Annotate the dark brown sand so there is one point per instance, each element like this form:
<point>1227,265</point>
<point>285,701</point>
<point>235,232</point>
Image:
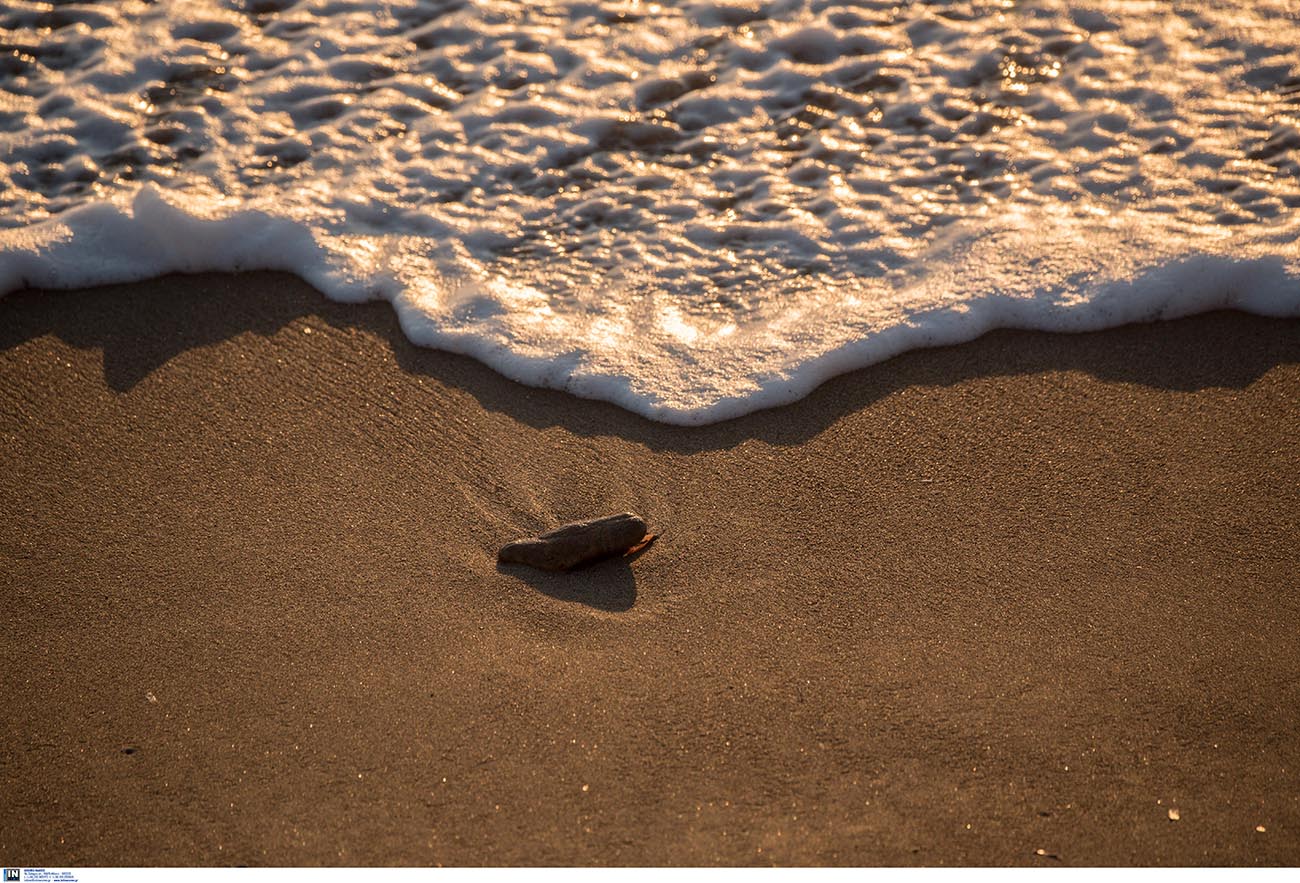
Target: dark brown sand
<point>1004,603</point>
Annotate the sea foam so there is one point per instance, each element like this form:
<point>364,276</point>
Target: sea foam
<point>693,211</point>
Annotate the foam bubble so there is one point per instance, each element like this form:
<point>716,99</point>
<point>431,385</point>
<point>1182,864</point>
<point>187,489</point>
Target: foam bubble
<point>691,212</point>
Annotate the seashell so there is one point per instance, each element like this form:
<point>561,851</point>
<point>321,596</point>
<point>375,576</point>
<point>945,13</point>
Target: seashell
<point>577,543</point>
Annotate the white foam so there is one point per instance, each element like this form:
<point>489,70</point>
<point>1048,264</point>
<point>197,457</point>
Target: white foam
<point>693,213</point>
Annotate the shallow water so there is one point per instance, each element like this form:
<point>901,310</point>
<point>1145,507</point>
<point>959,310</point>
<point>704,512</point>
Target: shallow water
<point>693,210</point>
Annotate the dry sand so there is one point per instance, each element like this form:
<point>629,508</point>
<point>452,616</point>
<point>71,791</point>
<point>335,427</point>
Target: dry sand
<point>1004,603</point>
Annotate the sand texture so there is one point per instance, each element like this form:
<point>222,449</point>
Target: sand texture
<point>1004,603</point>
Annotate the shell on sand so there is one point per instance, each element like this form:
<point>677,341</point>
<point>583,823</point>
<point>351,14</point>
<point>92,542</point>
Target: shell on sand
<point>573,544</point>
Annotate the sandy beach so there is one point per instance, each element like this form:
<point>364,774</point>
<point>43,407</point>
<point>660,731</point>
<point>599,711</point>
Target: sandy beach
<point>1018,602</point>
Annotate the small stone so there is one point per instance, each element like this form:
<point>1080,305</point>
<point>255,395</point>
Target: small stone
<point>1174,815</point>
<point>570,545</point>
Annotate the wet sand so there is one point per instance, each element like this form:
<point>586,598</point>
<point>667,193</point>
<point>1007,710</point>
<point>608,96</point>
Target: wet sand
<point>1003,603</point>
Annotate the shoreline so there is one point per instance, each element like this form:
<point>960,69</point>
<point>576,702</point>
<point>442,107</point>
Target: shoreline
<point>1026,593</point>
